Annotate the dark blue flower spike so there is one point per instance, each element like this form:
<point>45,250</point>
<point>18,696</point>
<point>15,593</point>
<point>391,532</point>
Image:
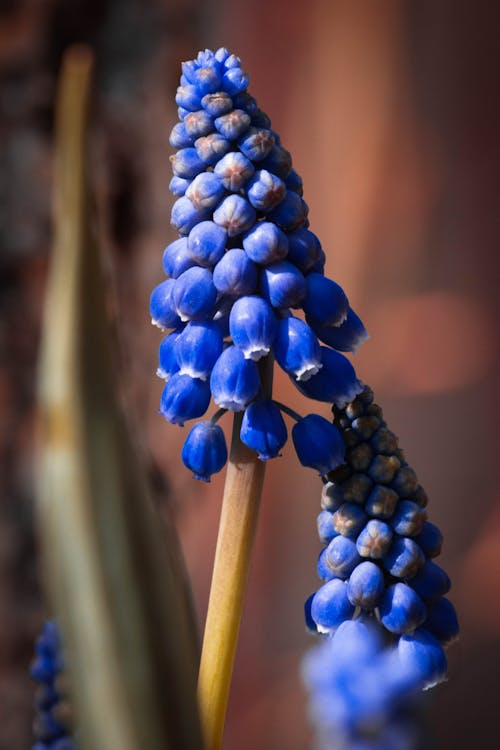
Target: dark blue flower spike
<point>379,573</point>
<point>245,258</point>
<point>52,725</point>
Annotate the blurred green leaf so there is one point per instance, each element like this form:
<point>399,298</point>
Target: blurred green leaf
<point>113,568</point>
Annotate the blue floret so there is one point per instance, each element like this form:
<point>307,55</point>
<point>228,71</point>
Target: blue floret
<point>184,398</point>
<point>176,258</point>
<point>206,243</point>
<point>234,381</point>
<point>263,429</point>
<point>296,349</point>
<point>283,285</point>
<point>318,443</point>
<point>204,450</point>
<point>330,606</point>
<point>253,326</point>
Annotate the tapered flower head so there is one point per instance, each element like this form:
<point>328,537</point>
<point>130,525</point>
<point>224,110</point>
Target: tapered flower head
<point>51,726</point>
<point>245,258</point>
<point>377,554</point>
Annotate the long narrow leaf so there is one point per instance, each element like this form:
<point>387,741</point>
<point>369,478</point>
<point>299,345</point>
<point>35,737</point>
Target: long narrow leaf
<point>112,567</point>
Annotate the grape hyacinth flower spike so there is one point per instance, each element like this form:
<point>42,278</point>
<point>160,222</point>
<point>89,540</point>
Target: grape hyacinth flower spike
<point>379,573</point>
<point>244,247</point>
<point>52,721</point>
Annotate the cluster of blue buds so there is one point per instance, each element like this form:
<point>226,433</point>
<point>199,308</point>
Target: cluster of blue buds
<point>362,696</point>
<point>245,281</point>
<point>51,725</point>
<point>378,560</point>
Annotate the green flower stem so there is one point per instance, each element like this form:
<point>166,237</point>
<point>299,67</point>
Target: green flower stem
<point>238,522</point>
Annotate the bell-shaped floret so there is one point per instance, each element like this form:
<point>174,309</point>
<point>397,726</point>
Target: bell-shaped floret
<point>210,148</point>
<point>304,249</point>
<point>217,104</point>
<point>296,349</point>
<point>263,429</point>
<point>184,215</point>
<point>188,97</point>
<point>347,337</point>
<point>404,558</point>
<point>194,294</point>
<point>235,81</point>
<point>235,274</point>
<point>235,214</point>
<point>198,124</point>
<point>184,398</point>
<point>178,186</point>
<point>408,518</point>
<point>245,101</point>
<point>330,606</point>
<point>233,170</point>
<point>176,258</point>
<point>233,124</point>
<point>349,519</point>
<point>256,143</point>
<point>162,307</point>
<point>206,243</point>
<point>205,451</point>
<point>401,609</point>
<point>374,540</point>
<point>265,191</point>
<point>357,642</point>
<point>366,585</point>
<point>208,79</point>
<point>179,137</point>
<point>336,382</point>
<point>442,621</point>
<point>291,213</point>
<point>205,191</point>
<point>198,348</point>
<point>381,502</point>
<point>253,326</point>
<point>234,381</point>
<point>342,556</point>
<point>294,182</point>
<point>278,161</point>
<point>318,443</point>
<point>421,654</point>
<point>431,582</point>
<point>265,243</point>
<point>430,540</point>
<point>283,285</point>
<point>326,301</point>
<point>168,364</point>
<point>187,163</point>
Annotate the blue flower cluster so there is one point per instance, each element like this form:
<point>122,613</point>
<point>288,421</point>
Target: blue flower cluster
<point>362,696</point>
<point>51,722</point>
<point>245,280</point>
<point>378,560</point>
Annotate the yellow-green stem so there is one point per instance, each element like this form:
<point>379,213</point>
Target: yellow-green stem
<point>238,522</point>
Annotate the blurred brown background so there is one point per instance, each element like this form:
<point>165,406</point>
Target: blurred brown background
<point>390,110</point>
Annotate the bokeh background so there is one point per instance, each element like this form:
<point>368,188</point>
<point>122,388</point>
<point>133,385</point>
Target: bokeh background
<point>391,112</point>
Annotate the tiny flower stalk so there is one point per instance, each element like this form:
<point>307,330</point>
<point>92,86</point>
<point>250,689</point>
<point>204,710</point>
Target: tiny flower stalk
<point>245,288</point>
